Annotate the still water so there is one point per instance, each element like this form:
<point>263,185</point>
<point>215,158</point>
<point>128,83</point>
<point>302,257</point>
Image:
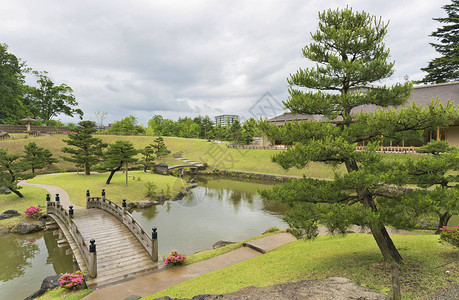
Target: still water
<point>26,260</point>
<point>219,209</point>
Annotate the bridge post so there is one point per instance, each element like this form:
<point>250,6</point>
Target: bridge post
<point>154,248</point>
<point>88,195</point>
<point>70,214</point>
<point>103,194</point>
<point>48,201</point>
<point>92,268</point>
<point>124,205</point>
<point>57,200</point>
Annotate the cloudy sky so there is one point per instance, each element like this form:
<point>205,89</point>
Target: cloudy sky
<point>188,58</point>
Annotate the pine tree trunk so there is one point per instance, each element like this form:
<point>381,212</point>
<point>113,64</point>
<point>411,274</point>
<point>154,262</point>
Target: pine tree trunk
<point>111,174</point>
<point>18,193</point>
<point>385,244</point>
<point>87,169</point>
<point>444,218</point>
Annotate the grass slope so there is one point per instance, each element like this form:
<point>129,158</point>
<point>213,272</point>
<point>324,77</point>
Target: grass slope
<point>77,184</point>
<point>354,256</point>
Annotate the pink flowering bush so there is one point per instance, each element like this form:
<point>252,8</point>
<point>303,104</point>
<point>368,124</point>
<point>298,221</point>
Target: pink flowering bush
<point>71,281</point>
<point>174,259</point>
<point>33,212</point>
<point>450,235</point>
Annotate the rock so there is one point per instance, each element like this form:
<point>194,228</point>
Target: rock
<point>130,205</point>
<point>5,190</point>
<point>24,228</point>
<point>179,196</point>
<point>330,288</point>
<point>192,180</point>
<point>143,204</point>
<point>3,231</point>
<point>221,244</point>
<point>193,185</point>
<point>160,168</point>
<point>9,214</point>
<point>49,283</point>
<point>161,198</point>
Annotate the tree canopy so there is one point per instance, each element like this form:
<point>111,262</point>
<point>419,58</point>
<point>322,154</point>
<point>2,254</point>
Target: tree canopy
<point>349,51</point>
<point>86,150</point>
<point>446,67</point>
<point>117,154</point>
<point>37,157</point>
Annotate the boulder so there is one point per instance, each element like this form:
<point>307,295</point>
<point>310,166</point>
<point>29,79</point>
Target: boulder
<point>221,244</point>
<point>179,196</point>
<point>3,231</point>
<point>160,168</point>
<point>193,185</point>
<point>9,214</point>
<point>130,205</point>
<point>143,204</point>
<point>5,190</point>
<point>330,288</point>
<point>49,283</point>
<point>24,228</point>
<point>161,198</point>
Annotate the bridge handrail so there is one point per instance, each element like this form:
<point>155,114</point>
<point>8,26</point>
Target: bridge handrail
<point>63,215</point>
<point>126,218</point>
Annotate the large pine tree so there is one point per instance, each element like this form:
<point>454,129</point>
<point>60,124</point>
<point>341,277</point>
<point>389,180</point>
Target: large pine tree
<point>87,150</point>
<point>446,67</point>
<point>349,52</point>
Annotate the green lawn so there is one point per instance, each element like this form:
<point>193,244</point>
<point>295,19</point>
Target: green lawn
<point>77,184</point>
<point>32,196</point>
<point>354,256</point>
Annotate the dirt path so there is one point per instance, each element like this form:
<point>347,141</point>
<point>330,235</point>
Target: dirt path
<point>53,190</point>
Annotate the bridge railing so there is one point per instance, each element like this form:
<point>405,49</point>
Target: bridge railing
<point>88,252</point>
<point>150,243</point>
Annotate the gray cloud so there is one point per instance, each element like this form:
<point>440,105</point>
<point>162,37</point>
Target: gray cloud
<point>185,58</point>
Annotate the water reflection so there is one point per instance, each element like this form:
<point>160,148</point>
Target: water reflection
<point>27,260</point>
<point>216,210</point>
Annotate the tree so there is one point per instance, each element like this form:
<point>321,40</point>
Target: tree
<point>117,154</point>
<point>87,151</point>
<point>37,157</point>
<point>11,87</point>
<point>250,130</point>
<point>160,147</point>
<point>12,170</point>
<point>148,157</point>
<point>126,126</point>
<point>235,131</point>
<point>446,67</point>
<point>349,52</point>
<point>49,100</point>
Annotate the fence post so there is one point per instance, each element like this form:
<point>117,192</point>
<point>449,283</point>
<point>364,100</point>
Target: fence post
<point>92,259</point>
<point>154,248</point>
<point>88,195</point>
<point>395,283</point>
<point>124,205</point>
<point>57,200</point>
<point>103,194</point>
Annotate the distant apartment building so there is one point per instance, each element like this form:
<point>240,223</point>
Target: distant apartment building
<point>226,120</point>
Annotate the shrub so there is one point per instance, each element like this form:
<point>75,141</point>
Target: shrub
<point>71,281</point>
<point>450,235</point>
<point>271,229</point>
<point>33,212</point>
<point>150,192</point>
<point>174,259</point>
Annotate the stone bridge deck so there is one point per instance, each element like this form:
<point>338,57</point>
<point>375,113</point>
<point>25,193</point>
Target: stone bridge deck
<point>119,253</point>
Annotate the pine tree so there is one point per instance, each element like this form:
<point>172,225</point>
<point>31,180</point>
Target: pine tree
<point>117,154</point>
<point>12,170</point>
<point>349,52</point>
<point>446,67</point>
<point>87,150</point>
<point>37,157</point>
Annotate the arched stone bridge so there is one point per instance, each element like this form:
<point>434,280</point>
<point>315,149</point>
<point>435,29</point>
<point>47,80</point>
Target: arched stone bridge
<point>108,244</point>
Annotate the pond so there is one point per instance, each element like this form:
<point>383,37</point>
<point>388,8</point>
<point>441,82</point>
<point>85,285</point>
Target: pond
<point>26,260</point>
<point>219,209</point>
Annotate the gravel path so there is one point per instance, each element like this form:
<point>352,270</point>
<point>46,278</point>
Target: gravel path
<point>53,190</point>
